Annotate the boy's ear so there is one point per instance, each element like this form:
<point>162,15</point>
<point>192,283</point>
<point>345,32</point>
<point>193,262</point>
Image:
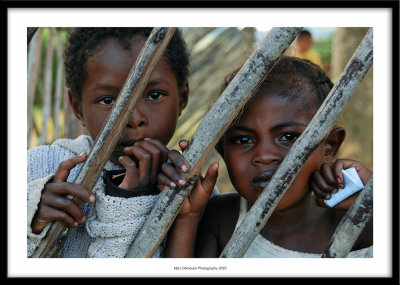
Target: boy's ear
<point>333,142</point>
<point>184,97</point>
<point>76,106</point>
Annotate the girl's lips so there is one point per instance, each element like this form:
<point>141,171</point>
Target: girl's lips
<point>262,180</point>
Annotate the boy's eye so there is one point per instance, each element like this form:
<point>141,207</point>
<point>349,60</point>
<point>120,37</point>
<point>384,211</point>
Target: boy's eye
<point>107,100</point>
<point>154,96</point>
<point>289,137</point>
<point>243,140</point>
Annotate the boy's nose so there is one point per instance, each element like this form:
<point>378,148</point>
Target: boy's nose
<point>137,118</point>
<point>266,153</point>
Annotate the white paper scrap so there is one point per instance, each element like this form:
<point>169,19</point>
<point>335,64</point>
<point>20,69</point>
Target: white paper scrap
<point>352,184</point>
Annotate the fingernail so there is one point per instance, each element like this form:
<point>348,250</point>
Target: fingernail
<point>340,186</point>
<point>172,185</point>
<point>184,168</point>
<point>83,219</point>
<point>81,153</point>
<point>327,197</point>
<point>147,139</point>
<point>334,190</point>
<point>92,198</point>
<point>181,182</point>
<point>338,180</point>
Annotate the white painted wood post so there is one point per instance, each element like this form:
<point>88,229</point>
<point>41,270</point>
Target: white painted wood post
<point>352,224</point>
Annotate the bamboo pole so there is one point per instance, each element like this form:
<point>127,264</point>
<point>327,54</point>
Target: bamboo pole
<point>30,33</point>
<point>352,224</point>
<point>33,76</point>
<point>310,139</point>
<point>59,85</point>
<point>111,131</point>
<point>47,87</point>
<point>208,133</point>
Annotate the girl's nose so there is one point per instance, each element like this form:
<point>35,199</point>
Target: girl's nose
<point>266,153</point>
<point>137,118</point>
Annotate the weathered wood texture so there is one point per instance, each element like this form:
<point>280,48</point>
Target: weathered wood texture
<point>352,224</point>
<point>311,138</point>
<point>209,132</point>
<point>111,131</point>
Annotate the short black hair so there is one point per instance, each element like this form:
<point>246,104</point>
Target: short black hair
<point>315,75</point>
<point>82,43</point>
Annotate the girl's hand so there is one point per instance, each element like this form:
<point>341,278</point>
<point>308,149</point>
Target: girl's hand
<point>54,205</point>
<point>143,163</point>
<point>172,177</point>
<point>329,179</point>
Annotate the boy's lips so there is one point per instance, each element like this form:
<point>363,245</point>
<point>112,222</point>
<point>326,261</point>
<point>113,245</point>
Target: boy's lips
<point>262,179</point>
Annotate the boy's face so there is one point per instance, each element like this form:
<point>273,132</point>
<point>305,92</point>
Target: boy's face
<point>156,113</point>
<point>257,143</point>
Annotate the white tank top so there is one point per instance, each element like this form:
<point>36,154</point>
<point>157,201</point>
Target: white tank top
<point>263,248</point>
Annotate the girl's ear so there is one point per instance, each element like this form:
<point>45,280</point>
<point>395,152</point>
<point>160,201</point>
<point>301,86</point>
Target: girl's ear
<point>333,142</point>
<point>76,106</point>
<point>183,97</point>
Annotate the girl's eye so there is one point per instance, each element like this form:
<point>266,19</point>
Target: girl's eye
<point>107,100</point>
<point>289,137</point>
<point>243,140</point>
<point>154,96</point>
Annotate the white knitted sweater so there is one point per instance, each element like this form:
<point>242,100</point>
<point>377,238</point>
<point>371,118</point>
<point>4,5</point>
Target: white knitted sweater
<point>112,222</point>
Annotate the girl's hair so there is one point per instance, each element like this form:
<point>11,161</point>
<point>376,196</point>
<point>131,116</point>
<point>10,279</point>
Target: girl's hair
<point>291,65</point>
<point>82,43</point>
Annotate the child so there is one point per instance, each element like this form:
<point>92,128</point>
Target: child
<point>253,148</point>
<point>97,63</point>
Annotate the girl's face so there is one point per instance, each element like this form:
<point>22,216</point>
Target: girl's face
<point>156,113</point>
<point>256,144</point>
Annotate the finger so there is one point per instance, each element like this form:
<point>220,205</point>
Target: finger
<point>329,176</point>
<point>173,174</point>
<point>72,189</point>
<point>159,155</point>
<point>177,159</point>
<point>161,146</point>
<point>210,178</point>
<point>50,214</point>
<point>163,181</point>
<point>319,190</point>
<point>183,144</point>
<point>65,167</point>
<point>67,206</point>
<point>130,180</point>
<point>145,163</point>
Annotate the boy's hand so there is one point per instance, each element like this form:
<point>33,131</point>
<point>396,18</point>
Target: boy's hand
<point>143,163</point>
<point>54,205</point>
<point>329,179</point>
<point>172,176</point>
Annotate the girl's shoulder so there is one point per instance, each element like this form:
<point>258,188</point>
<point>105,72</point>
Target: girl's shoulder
<point>221,215</point>
<point>224,204</point>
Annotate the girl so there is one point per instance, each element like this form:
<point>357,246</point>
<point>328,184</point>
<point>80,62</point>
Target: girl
<point>253,148</point>
<point>97,63</point>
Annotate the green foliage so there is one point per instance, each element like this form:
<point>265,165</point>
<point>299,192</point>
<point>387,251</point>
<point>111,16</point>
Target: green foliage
<point>324,48</point>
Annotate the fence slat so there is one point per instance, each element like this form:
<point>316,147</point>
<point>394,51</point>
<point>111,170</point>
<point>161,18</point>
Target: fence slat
<point>208,133</point>
<point>47,87</point>
<point>111,131</point>
<point>311,138</point>
<point>352,224</point>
